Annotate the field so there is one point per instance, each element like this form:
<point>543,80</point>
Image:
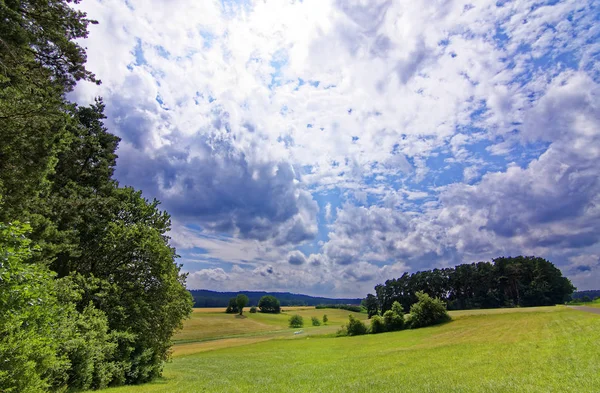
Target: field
<point>546,349</point>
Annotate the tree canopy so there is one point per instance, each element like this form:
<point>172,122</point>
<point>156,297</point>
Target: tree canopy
<point>269,304</point>
<point>94,256</point>
<point>505,282</point>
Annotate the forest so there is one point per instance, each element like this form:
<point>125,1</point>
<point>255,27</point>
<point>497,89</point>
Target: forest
<point>90,291</point>
<point>206,298</point>
<point>522,281</point>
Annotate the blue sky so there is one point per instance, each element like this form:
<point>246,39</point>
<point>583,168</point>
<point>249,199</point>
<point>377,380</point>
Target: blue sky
<point>323,147</point>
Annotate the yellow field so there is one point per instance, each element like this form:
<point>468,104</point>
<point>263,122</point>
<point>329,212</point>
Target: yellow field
<point>212,328</point>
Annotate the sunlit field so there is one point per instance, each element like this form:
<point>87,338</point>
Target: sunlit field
<point>544,349</point>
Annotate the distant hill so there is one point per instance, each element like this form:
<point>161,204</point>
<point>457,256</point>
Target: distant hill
<point>206,298</point>
<point>591,294</point>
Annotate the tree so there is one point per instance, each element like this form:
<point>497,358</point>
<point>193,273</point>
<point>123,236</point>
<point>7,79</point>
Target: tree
<point>116,276</point>
<point>269,304</point>
<point>315,321</point>
<point>355,326</point>
<point>378,324</point>
<point>241,301</point>
<point>427,311</point>
<point>325,319</point>
<point>296,321</point>
<point>41,61</point>
<point>232,308</point>
<point>371,304</point>
<point>253,310</point>
<point>394,318</point>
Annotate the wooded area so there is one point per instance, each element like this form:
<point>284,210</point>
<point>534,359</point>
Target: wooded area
<point>504,282</point>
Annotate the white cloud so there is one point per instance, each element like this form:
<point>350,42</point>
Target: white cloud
<point>235,116</point>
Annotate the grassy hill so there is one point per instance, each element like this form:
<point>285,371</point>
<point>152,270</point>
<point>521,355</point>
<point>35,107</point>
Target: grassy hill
<point>545,349</point>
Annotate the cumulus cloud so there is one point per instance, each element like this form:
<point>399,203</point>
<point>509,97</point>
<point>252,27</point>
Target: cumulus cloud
<point>441,133</point>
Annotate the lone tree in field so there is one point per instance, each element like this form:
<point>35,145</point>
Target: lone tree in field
<point>269,304</point>
<point>242,301</point>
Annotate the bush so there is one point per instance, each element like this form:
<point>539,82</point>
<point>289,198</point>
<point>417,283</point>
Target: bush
<point>427,311</point>
<point>325,319</point>
<point>355,327</point>
<point>296,321</point>
<point>394,318</point>
<point>377,325</point>
<point>316,321</point>
<point>269,304</point>
<point>253,310</point>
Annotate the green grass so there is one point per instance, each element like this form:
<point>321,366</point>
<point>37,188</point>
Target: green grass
<point>552,349</point>
<point>594,303</point>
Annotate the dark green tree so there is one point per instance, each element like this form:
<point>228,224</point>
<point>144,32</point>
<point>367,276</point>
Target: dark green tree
<point>371,304</point>
<point>232,308</point>
<point>269,304</point>
<point>241,301</point>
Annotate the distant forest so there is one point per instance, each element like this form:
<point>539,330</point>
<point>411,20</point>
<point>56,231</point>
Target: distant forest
<point>206,298</point>
<point>591,294</point>
<point>504,282</point>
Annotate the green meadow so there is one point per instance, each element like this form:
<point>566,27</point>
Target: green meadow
<point>544,349</point>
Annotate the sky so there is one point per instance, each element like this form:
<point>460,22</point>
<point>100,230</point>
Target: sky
<point>323,147</point>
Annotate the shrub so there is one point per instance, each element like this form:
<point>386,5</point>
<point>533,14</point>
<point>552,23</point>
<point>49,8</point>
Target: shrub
<point>394,318</point>
<point>316,321</point>
<point>269,304</point>
<point>342,331</point>
<point>296,321</point>
<point>355,327</point>
<point>325,319</point>
<point>377,325</point>
<point>253,309</point>
<point>427,311</point>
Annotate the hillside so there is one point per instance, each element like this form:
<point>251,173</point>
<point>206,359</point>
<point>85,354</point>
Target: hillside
<point>206,298</point>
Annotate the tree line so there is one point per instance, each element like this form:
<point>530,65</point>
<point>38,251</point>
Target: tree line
<point>206,298</point>
<point>90,293</point>
<point>522,281</point>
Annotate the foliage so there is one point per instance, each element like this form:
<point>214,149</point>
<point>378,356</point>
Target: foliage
<point>427,311</point>
<point>325,319</point>
<point>232,308</point>
<point>241,301</point>
<point>346,307</point>
<point>119,292</point>
<point>371,304</point>
<point>378,325</point>
<point>355,327</point>
<point>296,321</point>
<point>316,321</point>
<point>506,282</point>
<point>30,312</point>
<point>45,341</point>
<point>253,310</point>
<point>394,318</point>
<point>269,304</point>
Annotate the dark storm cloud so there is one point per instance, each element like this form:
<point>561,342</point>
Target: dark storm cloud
<point>207,180</point>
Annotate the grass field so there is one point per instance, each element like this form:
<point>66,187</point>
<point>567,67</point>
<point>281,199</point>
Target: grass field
<point>547,349</point>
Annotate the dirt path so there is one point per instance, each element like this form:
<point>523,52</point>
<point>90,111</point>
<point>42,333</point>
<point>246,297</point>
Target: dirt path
<point>585,308</point>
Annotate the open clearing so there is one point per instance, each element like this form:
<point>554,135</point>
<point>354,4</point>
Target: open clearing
<point>545,349</point>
